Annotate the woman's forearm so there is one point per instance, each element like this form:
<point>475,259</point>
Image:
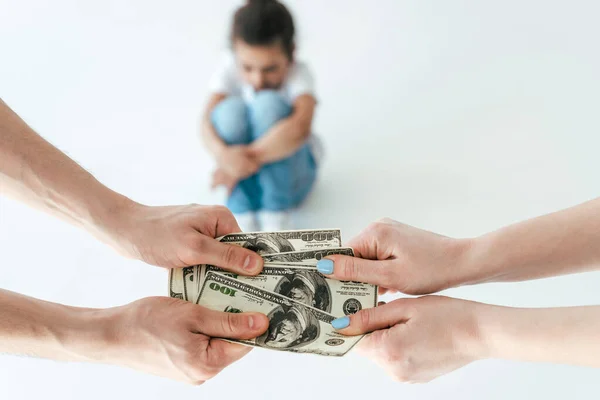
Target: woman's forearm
<point>560,243</point>
<point>567,335</point>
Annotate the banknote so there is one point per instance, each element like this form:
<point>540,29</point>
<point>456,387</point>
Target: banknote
<point>190,276</point>
<point>285,241</point>
<point>307,286</point>
<point>176,283</point>
<point>293,326</point>
<point>268,243</point>
<point>305,257</point>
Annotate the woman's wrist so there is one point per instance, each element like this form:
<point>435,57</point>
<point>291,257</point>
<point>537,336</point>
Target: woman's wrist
<point>478,262</point>
<point>471,338</point>
<point>458,265</point>
<point>499,332</point>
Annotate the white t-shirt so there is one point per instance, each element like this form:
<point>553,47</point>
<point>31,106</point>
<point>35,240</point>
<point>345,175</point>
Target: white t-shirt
<point>227,80</point>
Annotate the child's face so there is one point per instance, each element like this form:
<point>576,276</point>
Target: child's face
<point>263,67</point>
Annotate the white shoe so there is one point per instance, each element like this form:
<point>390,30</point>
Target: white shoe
<point>271,221</point>
<point>247,221</point>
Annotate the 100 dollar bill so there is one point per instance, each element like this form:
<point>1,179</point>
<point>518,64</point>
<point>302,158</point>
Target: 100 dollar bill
<point>305,257</point>
<point>285,241</point>
<point>190,277</point>
<point>293,326</point>
<point>307,286</point>
<point>265,243</point>
<point>176,288</point>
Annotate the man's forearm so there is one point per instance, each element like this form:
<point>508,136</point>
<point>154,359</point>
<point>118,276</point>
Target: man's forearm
<point>564,242</point>
<point>38,328</point>
<point>36,172</point>
<point>559,335</point>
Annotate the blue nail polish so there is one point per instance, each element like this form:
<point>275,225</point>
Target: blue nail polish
<point>340,323</point>
<point>325,266</point>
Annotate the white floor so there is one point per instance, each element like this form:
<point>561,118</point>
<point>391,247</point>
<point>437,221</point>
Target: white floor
<point>458,117</point>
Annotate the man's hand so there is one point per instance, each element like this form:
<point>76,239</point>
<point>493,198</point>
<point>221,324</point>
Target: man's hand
<point>179,236</point>
<point>176,339</point>
<point>159,335</point>
<point>33,170</point>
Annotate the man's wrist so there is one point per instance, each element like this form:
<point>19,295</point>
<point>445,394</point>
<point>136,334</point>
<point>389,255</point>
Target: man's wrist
<point>88,335</point>
<point>111,220</point>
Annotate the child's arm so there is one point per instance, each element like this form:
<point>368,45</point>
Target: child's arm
<point>288,135</point>
<point>213,142</point>
<point>236,160</point>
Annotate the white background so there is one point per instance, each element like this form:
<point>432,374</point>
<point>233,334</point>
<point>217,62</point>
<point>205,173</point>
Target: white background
<point>458,117</point>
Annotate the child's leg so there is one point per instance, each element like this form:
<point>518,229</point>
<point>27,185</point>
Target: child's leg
<point>230,120</point>
<point>285,183</point>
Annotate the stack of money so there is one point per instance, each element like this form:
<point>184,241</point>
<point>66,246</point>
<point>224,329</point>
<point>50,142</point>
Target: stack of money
<point>299,301</point>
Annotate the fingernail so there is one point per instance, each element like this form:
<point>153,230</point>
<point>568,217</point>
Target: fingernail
<point>257,322</point>
<point>325,266</point>
<point>250,265</point>
<point>340,323</point>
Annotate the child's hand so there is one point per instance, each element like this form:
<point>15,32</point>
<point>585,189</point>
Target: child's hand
<point>237,162</point>
<point>221,178</point>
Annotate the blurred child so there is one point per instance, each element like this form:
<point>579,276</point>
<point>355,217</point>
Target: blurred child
<point>257,123</point>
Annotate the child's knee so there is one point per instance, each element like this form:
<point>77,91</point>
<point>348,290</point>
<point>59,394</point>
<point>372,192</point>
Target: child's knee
<point>268,107</point>
<point>230,120</point>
